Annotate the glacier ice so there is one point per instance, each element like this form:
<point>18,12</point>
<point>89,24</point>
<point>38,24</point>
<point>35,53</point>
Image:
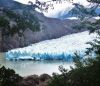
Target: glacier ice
<point>61,48</point>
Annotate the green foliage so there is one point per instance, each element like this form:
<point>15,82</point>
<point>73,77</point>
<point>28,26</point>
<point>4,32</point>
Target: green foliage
<point>59,80</point>
<point>8,77</point>
<point>10,13</point>
<point>23,21</point>
<point>29,20</point>
<point>78,60</point>
<point>85,73</point>
<point>3,22</point>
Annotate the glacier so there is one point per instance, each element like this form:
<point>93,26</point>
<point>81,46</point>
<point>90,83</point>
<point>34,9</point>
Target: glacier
<point>62,48</point>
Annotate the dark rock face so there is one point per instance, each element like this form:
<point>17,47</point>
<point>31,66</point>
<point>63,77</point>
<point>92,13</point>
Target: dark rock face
<point>35,80</point>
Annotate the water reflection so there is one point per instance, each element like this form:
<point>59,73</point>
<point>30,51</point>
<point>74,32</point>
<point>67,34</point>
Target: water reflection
<point>25,68</point>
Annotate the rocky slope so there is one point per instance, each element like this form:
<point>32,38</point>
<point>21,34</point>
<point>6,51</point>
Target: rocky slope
<point>49,28</point>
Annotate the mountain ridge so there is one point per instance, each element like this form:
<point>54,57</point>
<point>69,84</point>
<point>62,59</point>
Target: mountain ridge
<point>50,28</point>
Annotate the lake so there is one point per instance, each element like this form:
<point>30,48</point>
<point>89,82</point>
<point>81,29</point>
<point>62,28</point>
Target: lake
<point>25,68</point>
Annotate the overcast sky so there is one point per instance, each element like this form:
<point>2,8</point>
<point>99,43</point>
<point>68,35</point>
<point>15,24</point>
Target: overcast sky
<point>59,9</point>
<point>26,1</point>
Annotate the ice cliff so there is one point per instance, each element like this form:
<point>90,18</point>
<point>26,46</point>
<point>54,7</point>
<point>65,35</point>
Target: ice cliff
<point>61,48</point>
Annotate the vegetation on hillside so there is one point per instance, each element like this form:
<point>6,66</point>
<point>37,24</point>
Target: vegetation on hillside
<point>22,21</point>
<point>13,22</point>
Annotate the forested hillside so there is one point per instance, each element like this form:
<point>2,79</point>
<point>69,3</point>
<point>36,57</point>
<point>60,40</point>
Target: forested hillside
<point>15,23</point>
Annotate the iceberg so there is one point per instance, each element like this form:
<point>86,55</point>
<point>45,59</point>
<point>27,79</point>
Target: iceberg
<point>62,48</point>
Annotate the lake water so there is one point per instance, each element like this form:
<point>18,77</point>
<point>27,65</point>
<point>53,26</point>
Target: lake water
<point>25,68</point>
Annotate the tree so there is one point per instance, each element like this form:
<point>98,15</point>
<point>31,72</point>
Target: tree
<point>4,27</point>
<point>8,77</point>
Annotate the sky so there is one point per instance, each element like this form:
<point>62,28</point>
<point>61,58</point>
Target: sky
<point>26,1</point>
<point>59,9</point>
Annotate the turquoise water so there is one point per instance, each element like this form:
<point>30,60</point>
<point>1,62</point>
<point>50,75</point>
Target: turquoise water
<point>25,68</point>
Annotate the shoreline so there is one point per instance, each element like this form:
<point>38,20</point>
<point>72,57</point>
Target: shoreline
<point>29,67</point>
<point>35,80</point>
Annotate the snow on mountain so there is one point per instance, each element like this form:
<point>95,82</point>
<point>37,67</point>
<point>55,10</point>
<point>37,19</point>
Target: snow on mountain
<point>60,9</point>
<point>61,48</point>
<point>65,8</point>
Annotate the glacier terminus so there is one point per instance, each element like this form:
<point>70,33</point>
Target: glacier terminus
<point>62,48</point>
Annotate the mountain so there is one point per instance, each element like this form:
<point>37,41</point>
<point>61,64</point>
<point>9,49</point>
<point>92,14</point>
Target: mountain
<point>11,4</point>
<point>72,9</point>
<point>23,25</point>
<point>81,11</point>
